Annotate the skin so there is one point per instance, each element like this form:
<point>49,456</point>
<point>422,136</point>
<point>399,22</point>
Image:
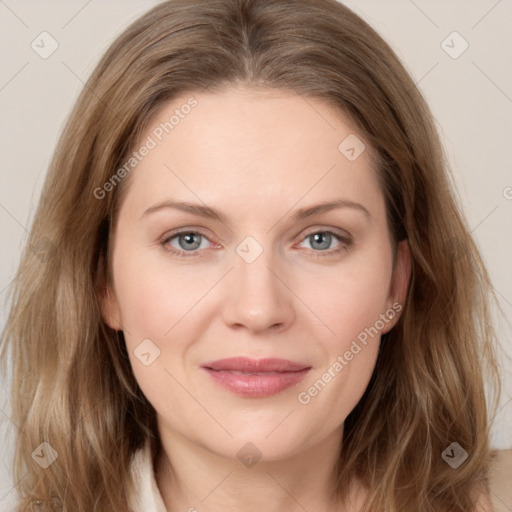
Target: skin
<point>257,156</point>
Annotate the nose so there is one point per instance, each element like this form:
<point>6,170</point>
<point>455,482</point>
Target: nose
<point>258,297</point>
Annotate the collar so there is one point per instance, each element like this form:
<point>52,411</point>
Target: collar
<point>145,496</point>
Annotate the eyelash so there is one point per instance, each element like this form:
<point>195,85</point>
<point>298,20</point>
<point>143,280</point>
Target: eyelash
<point>345,242</point>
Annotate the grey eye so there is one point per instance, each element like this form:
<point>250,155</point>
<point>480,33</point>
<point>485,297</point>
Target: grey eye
<point>188,241</point>
<point>321,240</point>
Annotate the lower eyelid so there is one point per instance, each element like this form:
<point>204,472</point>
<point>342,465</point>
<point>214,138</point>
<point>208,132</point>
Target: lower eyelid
<point>342,246</point>
<point>344,242</point>
<point>167,240</point>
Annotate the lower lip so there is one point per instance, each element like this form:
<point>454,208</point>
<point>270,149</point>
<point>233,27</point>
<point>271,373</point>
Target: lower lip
<point>257,386</point>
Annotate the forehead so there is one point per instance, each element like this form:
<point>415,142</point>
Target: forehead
<point>249,146</point>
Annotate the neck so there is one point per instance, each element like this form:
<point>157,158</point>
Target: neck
<point>192,478</point>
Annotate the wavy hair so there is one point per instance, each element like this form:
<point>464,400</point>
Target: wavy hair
<point>73,386</point>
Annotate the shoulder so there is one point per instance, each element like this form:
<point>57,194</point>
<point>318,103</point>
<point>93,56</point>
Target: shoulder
<point>499,498</point>
<point>500,479</point>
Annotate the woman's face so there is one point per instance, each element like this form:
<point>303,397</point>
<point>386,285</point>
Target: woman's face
<point>261,270</point>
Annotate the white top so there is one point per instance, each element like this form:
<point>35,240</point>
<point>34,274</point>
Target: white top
<point>145,496</point>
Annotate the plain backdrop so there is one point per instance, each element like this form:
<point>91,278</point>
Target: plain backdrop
<point>466,78</point>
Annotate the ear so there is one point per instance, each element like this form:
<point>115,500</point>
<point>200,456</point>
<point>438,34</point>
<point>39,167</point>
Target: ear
<point>399,283</point>
<point>109,306</point>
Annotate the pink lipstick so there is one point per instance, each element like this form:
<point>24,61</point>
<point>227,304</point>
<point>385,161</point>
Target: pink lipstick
<point>256,378</point>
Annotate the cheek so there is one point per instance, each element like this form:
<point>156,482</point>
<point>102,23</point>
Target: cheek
<point>351,308</point>
<point>164,304</point>
<point>350,300</point>
<point>350,303</point>
<point>152,299</point>
<point>154,308</point>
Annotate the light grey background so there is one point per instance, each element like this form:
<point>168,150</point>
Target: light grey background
<point>470,96</point>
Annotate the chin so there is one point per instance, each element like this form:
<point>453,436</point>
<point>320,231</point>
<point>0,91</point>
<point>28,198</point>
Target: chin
<point>264,442</point>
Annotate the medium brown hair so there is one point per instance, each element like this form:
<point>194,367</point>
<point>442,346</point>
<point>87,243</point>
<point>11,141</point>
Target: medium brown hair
<point>73,386</point>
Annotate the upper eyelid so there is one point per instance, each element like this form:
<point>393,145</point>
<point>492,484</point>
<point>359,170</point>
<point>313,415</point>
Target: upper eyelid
<point>335,231</point>
<point>343,236</point>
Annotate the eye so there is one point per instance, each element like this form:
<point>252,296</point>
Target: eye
<point>185,243</point>
<point>321,241</point>
<point>190,243</point>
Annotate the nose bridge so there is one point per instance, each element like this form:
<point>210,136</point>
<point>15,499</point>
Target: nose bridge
<point>257,298</point>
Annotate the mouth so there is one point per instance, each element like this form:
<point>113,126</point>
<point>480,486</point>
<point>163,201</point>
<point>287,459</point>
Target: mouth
<point>255,378</point>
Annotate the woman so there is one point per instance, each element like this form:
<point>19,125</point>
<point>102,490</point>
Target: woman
<point>257,290</point>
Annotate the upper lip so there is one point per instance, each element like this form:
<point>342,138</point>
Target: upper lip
<point>255,365</point>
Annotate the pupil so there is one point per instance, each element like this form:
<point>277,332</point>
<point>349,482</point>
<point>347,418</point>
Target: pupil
<point>323,239</point>
<point>189,239</point>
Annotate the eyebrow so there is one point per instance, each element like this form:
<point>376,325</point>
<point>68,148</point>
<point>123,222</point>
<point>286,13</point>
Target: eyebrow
<point>212,213</point>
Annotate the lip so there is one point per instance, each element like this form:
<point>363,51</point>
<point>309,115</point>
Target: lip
<point>255,378</point>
